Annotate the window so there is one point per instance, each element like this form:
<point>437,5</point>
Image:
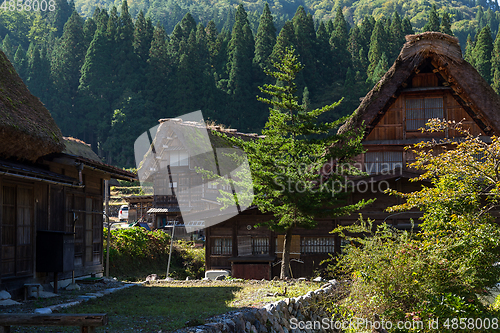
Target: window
<point>260,245</point>
<point>179,158</point>
<point>383,161</point>
<point>420,110</point>
<point>317,245</point>
<point>222,246</point>
<point>17,230</point>
<point>253,246</point>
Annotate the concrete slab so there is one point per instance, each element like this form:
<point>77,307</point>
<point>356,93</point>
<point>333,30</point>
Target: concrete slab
<point>6,302</point>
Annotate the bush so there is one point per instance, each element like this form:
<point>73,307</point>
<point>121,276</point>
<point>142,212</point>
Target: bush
<point>403,276</point>
<point>135,253</point>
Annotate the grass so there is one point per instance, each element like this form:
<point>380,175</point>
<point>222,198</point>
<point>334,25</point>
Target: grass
<point>168,306</point>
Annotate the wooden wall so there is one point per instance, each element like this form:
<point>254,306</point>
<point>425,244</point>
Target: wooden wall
<point>392,125</point>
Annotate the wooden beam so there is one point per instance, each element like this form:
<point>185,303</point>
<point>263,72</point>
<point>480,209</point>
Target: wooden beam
<point>54,319</point>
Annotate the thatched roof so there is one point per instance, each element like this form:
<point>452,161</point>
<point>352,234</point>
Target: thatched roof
<point>27,130</point>
<point>471,91</point>
<point>77,147</point>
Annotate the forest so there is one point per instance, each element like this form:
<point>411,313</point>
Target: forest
<point>107,72</point>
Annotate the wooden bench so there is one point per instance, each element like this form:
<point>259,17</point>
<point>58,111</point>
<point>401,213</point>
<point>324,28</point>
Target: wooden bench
<point>87,322</point>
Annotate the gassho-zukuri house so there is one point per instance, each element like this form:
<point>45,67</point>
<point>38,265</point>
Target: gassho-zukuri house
<point>51,194</point>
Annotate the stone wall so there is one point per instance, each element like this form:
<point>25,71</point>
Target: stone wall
<point>281,317</point>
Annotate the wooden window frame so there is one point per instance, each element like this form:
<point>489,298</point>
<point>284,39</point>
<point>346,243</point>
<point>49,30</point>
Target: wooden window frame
<point>409,116</point>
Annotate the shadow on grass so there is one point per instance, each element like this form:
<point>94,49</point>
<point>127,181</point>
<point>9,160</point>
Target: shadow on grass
<point>159,307</point>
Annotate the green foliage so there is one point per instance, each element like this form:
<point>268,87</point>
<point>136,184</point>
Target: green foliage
<point>482,53</point>
<point>443,270</point>
<point>136,252</point>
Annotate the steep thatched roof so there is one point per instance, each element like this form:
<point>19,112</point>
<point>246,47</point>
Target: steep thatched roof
<point>27,130</point>
<point>471,91</point>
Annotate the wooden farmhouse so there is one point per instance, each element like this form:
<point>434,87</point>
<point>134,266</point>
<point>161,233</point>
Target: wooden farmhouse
<point>429,79</point>
<point>51,194</point>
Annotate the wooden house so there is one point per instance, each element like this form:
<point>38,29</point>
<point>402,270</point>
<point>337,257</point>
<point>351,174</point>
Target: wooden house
<point>429,79</point>
<point>51,194</point>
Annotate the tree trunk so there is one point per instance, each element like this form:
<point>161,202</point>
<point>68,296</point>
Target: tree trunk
<point>285,263</point>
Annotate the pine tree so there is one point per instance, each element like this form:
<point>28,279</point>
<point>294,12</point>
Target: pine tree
<point>366,30</point>
<point>285,39</point>
<point>95,90</point>
<point>158,74</point>
<point>61,14</point>
<point>378,45</point>
<point>446,25</point>
<point>305,43</point>
<point>339,41</point>
<point>324,56</point>
<point>20,63</point>
<point>265,39</point>
<point>482,53</point>
<point>67,60</point>
<point>433,22</point>
<point>7,48</point>
<point>240,58</point>
<point>469,47</point>
<point>355,48</point>
<point>495,65</point>
<point>380,70</point>
<point>287,145</point>
<point>397,37</point>
<point>481,21</point>
<point>407,28</point>
<point>89,29</point>
<point>143,35</point>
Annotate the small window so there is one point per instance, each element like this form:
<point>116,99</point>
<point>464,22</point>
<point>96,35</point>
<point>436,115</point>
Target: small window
<point>317,245</point>
<point>179,158</point>
<point>420,110</point>
<point>260,245</point>
<point>222,246</point>
<point>383,161</point>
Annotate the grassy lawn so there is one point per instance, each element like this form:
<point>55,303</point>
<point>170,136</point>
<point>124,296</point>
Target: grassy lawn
<point>166,307</point>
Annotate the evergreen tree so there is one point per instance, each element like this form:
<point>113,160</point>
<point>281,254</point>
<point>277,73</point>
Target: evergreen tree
<point>380,70</point>
<point>482,53</point>
<point>407,28</point>
<point>95,90</point>
<point>240,58</point>
<point>61,14</point>
<point>305,43</point>
<point>287,147</point>
<point>366,30</point>
<point>324,56</point>
<point>397,37</point>
<point>89,29</point>
<point>358,58</point>
<point>265,39</point>
<point>158,74</point>
<point>285,39</point>
<point>143,35</point>
<point>20,63</point>
<point>481,21</point>
<point>67,60</point>
<point>8,49</point>
<point>495,65</point>
<point>339,41</point>
<point>378,45</point>
<point>469,47</point>
<point>433,22</point>
<point>446,24</point>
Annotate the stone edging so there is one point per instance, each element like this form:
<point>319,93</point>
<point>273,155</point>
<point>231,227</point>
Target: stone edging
<point>273,317</point>
<point>82,298</point>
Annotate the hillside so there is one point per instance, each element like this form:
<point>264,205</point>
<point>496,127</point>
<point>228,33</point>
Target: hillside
<point>107,75</point>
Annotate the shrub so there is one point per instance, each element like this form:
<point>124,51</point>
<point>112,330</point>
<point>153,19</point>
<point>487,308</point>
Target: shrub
<point>135,253</point>
<point>403,276</point>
